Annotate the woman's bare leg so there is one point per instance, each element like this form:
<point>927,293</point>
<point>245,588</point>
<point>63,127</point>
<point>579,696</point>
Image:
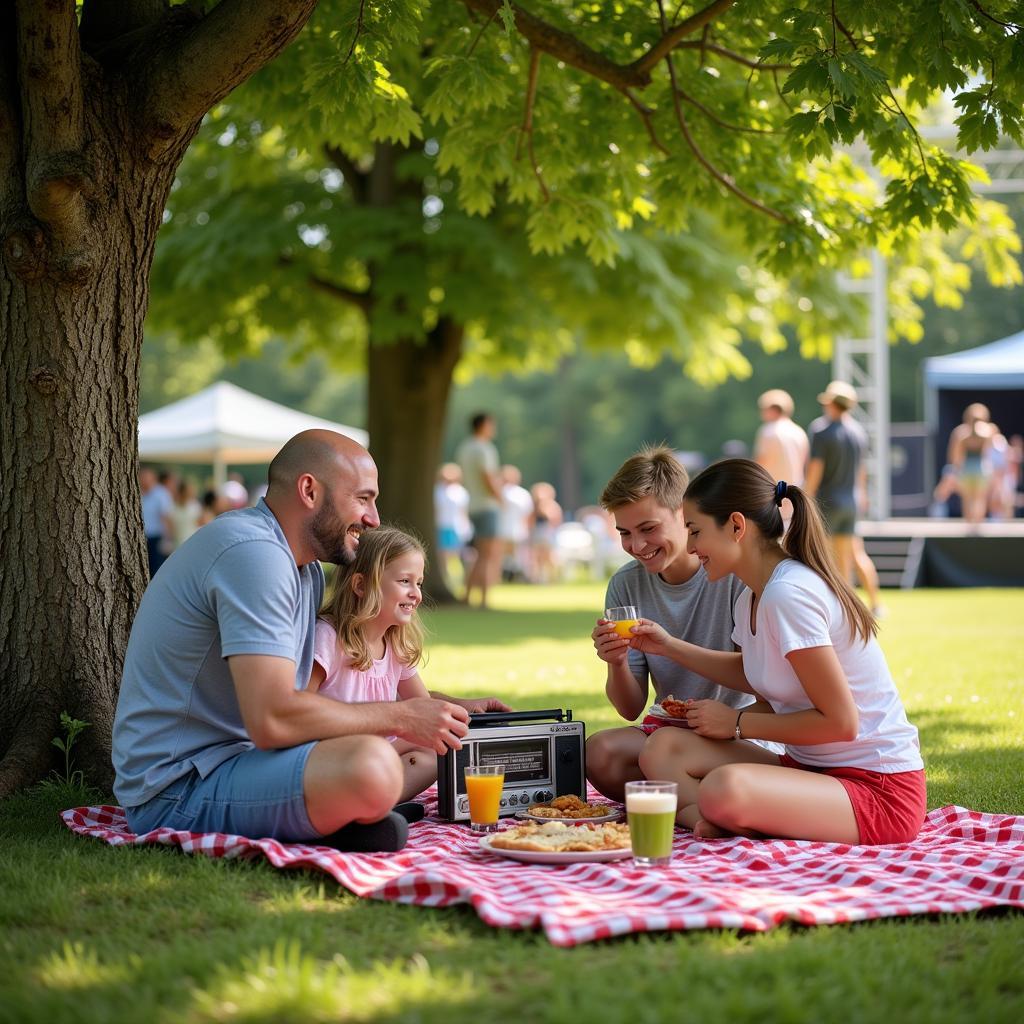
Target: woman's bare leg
<point>612,760</point>
<point>681,756</point>
<point>790,803</point>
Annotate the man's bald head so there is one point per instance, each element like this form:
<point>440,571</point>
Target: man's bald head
<point>322,487</point>
<point>324,454</point>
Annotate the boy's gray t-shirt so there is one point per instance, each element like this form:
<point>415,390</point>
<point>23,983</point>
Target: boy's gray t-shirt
<point>232,588</point>
<point>699,611</point>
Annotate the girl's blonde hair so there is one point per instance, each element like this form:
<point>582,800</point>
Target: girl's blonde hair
<point>739,485</point>
<point>348,613</point>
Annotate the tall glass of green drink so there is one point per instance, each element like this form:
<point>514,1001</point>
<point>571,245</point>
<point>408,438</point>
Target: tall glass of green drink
<point>651,810</point>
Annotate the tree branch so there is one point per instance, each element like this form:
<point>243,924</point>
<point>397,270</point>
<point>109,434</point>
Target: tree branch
<point>57,173</point>
<point>106,21</point>
<point>208,59</point>
<point>715,173</point>
<point>356,34</point>
<point>480,34</point>
<point>354,178</point>
<point>985,14</point>
<point>361,300</point>
<point>739,58</point>
<point>668,42</point>
<point>647,116</point>
<point>712,116</point>
<point>564,46</point>
<point>527,129</point>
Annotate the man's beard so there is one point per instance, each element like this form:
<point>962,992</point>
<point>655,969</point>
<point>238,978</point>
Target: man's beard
<point>328,531</point>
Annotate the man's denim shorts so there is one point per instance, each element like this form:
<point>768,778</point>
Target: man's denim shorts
<point>257,793</point>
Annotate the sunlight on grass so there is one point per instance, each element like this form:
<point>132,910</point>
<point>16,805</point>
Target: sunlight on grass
<point>76,967</point>
<point>284,984</point>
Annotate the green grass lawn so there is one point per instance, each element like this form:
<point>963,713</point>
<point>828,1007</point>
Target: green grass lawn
<point>91,933</point>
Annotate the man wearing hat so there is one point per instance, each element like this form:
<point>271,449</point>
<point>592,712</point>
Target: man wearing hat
<point>781,445</point>
<point>836,475</point>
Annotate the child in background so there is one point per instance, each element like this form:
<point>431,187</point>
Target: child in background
<point>852,771</point>
<point>369,640</point>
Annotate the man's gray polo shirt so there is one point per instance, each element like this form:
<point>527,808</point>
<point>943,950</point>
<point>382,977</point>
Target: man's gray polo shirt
<point>232,588</point>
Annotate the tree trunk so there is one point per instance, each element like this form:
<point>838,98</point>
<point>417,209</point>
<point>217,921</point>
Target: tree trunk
<point>73,555</point>
<point>408,389</point>
<point>93,126</point>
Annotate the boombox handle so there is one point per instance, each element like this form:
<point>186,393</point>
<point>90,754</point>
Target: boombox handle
<point>503,717</point>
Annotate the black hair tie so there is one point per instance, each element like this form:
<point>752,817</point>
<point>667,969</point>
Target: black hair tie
<point>780,492</point>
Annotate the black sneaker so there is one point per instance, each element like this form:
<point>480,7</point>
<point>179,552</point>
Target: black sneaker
<point>385,836</point>
<point>410,810</point>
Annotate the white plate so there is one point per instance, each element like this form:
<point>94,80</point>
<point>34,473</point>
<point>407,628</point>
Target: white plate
<point>555,857</point>
<point>615,814</point>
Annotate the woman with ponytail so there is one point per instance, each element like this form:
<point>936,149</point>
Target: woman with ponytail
<point>852,771</point>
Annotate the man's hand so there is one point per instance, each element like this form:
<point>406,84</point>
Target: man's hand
<point>712,718</point>
<point>437,725</point>
<point>481,705</point>
<point>610,647</point>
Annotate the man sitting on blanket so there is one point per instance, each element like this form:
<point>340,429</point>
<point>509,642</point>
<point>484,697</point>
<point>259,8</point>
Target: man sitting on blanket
<point>215,731</point>
<point>667,584</point>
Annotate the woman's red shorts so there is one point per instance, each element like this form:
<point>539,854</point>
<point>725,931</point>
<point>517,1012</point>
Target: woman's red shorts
<point>888,808</point>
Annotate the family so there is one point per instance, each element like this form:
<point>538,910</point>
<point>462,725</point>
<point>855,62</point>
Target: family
<point>250,705</point>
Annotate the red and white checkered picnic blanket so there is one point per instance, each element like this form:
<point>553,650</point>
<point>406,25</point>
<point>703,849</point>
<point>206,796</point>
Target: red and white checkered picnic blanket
<point>962,860</point>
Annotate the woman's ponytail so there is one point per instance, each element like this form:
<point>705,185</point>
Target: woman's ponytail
<point>807,541</point>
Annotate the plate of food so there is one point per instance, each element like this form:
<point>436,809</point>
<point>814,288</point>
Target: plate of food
<point>555,842</point>
<point>571,808</point>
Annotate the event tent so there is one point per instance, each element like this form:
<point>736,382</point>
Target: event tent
<point>225,425</point>
<point>992,374</point>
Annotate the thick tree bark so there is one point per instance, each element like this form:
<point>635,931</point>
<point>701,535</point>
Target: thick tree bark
<point>89,144</point>
<point>73,560</point>
<point>409,383</point>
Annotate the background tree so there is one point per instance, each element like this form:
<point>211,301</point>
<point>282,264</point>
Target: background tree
<point>98,102</point>
<point>386,219</point>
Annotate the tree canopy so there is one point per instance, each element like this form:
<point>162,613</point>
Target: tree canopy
<point>750,128</point>
<point>614,173</point>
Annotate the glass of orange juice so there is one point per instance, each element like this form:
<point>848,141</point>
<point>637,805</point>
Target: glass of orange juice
<point>484,784</point>
<point>623,619</point>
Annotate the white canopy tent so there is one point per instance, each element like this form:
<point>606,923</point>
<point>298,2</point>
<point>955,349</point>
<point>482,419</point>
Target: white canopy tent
<point>225,425</point>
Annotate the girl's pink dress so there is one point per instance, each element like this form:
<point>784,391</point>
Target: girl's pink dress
<point>379,682</point>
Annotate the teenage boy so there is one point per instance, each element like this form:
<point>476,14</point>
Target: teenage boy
<point>669,586</point>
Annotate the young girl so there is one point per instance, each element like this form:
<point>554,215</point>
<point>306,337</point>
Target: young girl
<point>369,640</point>
<point>852,771</point>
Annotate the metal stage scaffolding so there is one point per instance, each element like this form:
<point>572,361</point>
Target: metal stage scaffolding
<point>863,361</point>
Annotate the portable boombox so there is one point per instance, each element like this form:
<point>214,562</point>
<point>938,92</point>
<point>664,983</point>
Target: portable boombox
<point>543,755</point>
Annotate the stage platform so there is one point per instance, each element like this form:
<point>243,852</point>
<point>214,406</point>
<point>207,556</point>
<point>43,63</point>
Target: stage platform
<point>945,552</point>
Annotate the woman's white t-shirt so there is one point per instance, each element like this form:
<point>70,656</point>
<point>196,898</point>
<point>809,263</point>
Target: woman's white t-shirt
<point>798,611</point>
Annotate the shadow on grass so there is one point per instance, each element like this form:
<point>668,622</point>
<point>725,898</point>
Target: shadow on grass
<point>959,772</point>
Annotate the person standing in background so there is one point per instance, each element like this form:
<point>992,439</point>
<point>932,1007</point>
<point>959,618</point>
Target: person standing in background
<point>837,477</point>
<point>781,445</point>
<point>184,514</point>
<point>156,509</point>
<point>514,525</point>
<point>481,476</point>
<point>451,518</point>
<point>545,520</point>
